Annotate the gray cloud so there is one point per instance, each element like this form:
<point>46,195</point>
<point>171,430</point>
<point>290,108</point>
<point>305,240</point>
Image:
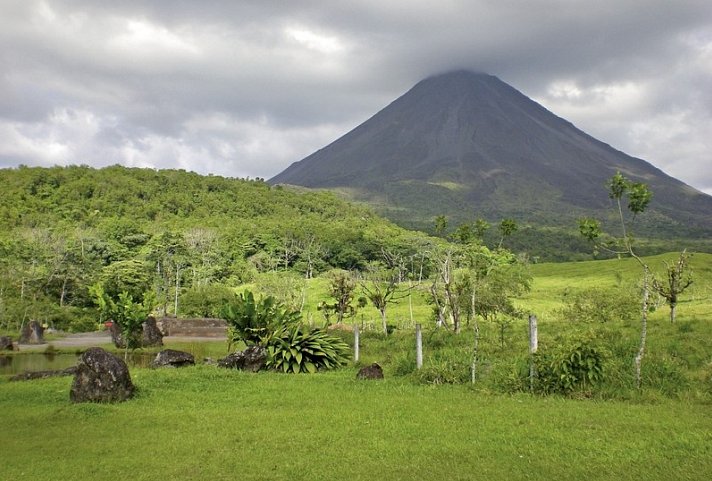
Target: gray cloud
<point>245,88</point>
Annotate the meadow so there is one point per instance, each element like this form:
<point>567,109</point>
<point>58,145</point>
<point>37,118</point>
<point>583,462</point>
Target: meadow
<point>207,423</point>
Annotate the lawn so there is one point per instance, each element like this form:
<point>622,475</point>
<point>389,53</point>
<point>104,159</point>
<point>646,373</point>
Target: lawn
<point>206,423</point>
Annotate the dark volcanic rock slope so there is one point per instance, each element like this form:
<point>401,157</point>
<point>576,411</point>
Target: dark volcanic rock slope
<point>466,144</point>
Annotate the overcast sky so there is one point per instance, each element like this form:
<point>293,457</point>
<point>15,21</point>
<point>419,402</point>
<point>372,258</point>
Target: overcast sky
<point>245,88</point>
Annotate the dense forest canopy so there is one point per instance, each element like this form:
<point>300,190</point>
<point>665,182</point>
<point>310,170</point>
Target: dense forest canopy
<point>62,229</point>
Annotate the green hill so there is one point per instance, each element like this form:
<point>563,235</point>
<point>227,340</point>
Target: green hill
<point>61,227</point>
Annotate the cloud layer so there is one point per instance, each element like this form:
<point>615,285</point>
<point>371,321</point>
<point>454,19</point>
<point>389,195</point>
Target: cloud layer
<point>245,88</point>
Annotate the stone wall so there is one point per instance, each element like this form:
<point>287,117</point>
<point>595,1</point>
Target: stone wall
<point>202,327</point>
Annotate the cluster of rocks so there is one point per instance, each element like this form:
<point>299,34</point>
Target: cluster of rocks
<point>100,376</point>
<point>252,359</point>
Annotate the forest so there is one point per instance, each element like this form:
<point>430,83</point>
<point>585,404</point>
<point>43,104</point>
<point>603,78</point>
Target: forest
<point>174,233</point>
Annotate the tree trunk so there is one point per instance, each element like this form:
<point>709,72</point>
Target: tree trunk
<point>643,327</point>
<point>673,312</point>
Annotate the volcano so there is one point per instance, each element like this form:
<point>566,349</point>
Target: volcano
<point>468,145</point>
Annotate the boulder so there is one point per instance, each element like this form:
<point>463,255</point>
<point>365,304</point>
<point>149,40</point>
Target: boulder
<point>173,358</point>
<point>152,336</point>
<point>101,377</point>
<point>374,371</point>
<point>251,359</point>
<point>32,333</point>
<point>6,343</point>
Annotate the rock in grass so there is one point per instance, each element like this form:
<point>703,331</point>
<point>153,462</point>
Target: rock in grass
<point>374,371</point>
<point>173,358</point>
<point>6,343</point>
<point>101,377</point>
<point>251,359</point>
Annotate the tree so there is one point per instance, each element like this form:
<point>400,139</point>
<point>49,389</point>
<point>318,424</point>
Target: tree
<point>506,228</point>
<point>638,196</point>
<point>382,287</point>
<point>440,225</point>
<point>342,287</point>
<point>677,281</point>
<point>127,313</point>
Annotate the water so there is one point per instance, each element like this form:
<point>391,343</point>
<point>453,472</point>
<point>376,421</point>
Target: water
<point>40,361</point>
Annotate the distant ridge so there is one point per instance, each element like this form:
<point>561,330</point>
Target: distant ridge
<point>468,145</point>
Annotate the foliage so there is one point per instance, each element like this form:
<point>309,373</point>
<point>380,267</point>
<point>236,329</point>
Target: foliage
<point>574,365</point>
<point>342,289</point>
<point>599,305</point>
<point>253,321</point>
<point>205,300</point>
<point>679,278</point>
<point>124,311</point>
<point>295,349</point>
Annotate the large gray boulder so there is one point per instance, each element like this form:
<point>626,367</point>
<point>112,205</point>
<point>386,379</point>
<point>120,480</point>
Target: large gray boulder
<point>32,333</point>
<point>101,377</point>
<point>251,359</point>
<point>173,358</point>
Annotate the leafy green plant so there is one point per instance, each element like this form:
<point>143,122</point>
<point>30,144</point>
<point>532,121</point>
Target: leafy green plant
<point>600,305</point>
<point>253,321</point>
<point>128,314</point>
<point>577,365</point>
<point>295,349</point>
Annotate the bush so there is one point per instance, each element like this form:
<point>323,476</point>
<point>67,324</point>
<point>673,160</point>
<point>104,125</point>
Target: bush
<point>600,305</point>
<point>576,365</point>
<point>296,349</point>
<point>255,321</point>
<point>205,301</point>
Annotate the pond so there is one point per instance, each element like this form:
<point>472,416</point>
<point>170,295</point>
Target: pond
<point>45,361</point>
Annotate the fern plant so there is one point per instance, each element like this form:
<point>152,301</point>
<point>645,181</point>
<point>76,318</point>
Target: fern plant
<point>295,349</point>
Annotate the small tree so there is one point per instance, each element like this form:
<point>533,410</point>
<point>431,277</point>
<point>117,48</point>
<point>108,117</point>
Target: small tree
<point>128,314</point>
<point>677,281</point>
<point>342,289</point>
<point>639,197</point>
<point>382,287</point>
<point>506,228</point>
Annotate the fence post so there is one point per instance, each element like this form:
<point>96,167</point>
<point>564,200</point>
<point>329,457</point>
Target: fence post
<point>356,343</point>
<point>533,346</point>
<point>418,347</point>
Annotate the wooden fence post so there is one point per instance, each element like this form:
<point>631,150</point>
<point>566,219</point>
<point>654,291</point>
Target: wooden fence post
<point>356,343</point>
<point>533,346</point>
<point>418,347</point>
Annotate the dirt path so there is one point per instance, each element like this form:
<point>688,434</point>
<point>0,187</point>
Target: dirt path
<point>102,338</point>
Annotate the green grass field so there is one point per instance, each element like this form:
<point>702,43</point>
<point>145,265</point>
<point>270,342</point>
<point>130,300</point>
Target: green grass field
<point>206,423</point>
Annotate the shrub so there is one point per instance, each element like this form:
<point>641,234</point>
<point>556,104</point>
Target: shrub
<point>205,301</point>
<point>254,321</point>
<point>296,349</point>
<point>571,366</point>
<point>600,305</point>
